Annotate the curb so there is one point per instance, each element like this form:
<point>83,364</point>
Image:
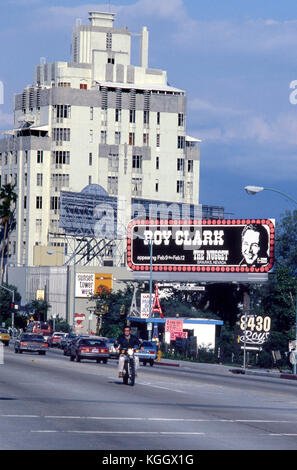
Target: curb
<point>165,364</point>
<point>279,375</point>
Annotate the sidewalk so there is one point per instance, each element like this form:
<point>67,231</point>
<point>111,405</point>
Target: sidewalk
<point>275,373</point>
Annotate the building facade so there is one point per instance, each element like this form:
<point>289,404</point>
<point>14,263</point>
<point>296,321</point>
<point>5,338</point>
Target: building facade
<point>100,120</point>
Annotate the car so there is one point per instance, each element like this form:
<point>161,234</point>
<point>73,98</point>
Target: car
<point>89,348</point>
<point>147,352</point>
<point>30,342</point>
<point>56,338</point>
<point>4,336</point>
<point>113,352</point>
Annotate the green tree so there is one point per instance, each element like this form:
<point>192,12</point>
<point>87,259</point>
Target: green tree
<point>113,307</point>
<point>39,308</point>
<point>8,199</point>
<point>5,302</point>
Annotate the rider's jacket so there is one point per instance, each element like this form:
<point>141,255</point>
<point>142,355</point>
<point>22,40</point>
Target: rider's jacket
<point>124,342</point>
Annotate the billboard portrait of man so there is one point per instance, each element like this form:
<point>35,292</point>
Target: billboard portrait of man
<point>254,245</point>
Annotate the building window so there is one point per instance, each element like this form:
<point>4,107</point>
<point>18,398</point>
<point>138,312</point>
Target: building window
<point>117,115</point>
<point>83,86</point>
<point>117,138</point>
<point>180,120</point>
<point>110,60</point>
<point>157,163</point>
<point>132,116</point>
<point>39,156</point>
<point>38,223</point>
<point>113,162</point>
<point>190,166</point>
<point>38,202</point>
<point>60,180</point>
<point>158,140</point>
<point>145,139</point>
<point>90,159</point>
<point>112,185</point>
<point>180,142</point>
<point>62,111</point>
<point>90,179</point>
<point>180,164</point>
<point>157,186</point>
<point>103,137</point>
<point>61,134</point>
<point>55,203</point>
<point>146,117</point>
<point>137,162</point>
<point>158,118</point>
<point>39,179</point>
<point>131,138</point>
<point>180,187</point>
<point>91,113</point>
<point>61,157</point>
<point>25,179</point>
<point>136,186</point>
<point>25,202</point>
<point>91,137</point>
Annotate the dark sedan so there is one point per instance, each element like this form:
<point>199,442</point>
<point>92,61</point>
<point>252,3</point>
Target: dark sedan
<point>30,342</point>
<point>89,348</point>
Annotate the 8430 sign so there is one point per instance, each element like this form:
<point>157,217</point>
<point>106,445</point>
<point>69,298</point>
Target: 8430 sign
<point>254,331</point>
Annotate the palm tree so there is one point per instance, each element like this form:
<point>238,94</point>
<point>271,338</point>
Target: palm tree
<point>8,199</point>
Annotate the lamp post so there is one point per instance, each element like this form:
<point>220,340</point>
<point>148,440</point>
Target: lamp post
<point>252,190</point>
<point>150,241</point>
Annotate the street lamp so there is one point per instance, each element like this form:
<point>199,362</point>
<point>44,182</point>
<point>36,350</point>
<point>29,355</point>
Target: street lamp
<point>252,190</point>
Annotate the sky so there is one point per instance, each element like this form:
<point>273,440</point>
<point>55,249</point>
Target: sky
<point>235,60</point>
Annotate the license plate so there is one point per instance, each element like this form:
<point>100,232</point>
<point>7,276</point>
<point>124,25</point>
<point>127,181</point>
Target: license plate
<point>95,350</point>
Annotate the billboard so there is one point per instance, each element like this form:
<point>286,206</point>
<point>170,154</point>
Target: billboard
<point>88,284</point>
<point>223,245</point>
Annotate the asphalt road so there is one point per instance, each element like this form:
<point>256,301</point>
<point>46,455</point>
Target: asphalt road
<point>48,402</point>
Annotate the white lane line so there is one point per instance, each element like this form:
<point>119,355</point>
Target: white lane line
<point>159,419</point>
<point>125,432</point>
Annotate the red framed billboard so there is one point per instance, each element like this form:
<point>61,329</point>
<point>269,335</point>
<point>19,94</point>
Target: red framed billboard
<point>221,245</point>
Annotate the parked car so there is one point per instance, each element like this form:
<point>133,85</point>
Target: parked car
<point>56,338</point>
<point>4,336</point>
<point>147,352</point>
<point>113,352</point>
<point>89,348</point>
<point>30,342</point>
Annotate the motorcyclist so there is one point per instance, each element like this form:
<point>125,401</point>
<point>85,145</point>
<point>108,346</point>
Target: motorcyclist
<point>125,341</point>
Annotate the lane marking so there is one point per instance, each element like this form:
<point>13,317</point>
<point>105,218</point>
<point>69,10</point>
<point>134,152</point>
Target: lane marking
<point>186,420</point>
<point>158,433</point>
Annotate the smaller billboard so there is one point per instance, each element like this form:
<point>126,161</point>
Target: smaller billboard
<point>88,284</point>
<point>253,331</point>
<point>145,305</point>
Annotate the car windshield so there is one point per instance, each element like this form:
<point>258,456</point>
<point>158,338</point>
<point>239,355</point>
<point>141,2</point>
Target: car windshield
<point>3,330</point>
<point>32,338</point>
<point>147,344</point>
<point>90,342</point>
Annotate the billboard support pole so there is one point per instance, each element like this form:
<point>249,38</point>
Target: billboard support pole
<point>246,306</point>
<point>151,287</point>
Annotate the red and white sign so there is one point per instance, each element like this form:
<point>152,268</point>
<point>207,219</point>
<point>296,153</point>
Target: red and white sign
<point>79,318</point>
<point>183,334</point>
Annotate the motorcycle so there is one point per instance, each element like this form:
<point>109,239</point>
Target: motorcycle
<point>129,372</point>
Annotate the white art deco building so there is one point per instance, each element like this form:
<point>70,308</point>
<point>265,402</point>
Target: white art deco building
<point>96,120</point>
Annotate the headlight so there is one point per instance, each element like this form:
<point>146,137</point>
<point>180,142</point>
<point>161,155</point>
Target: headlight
<point>130,352</point>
